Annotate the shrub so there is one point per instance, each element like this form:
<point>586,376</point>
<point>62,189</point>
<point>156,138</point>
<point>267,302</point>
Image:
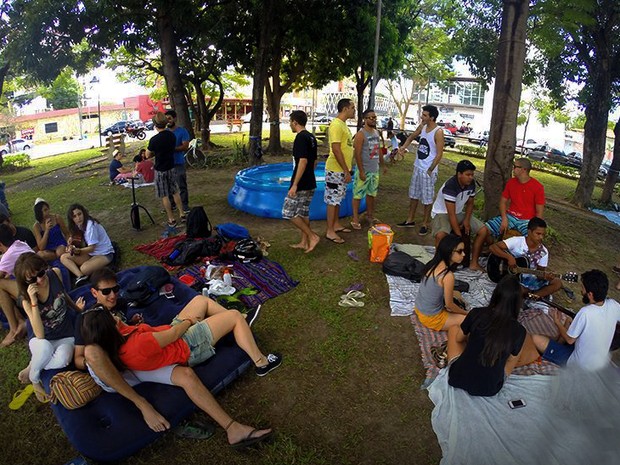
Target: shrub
<point>472,150</point>
<point>16,162</point>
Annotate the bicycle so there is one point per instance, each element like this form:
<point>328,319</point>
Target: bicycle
<point>194,156</point>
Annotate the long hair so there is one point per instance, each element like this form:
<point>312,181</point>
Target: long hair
<point>38,210</point>
<point>99,327</point>
<point>504,309</point>
<point>443,254</point>
<point>27,263</point>
<point>73,228</point>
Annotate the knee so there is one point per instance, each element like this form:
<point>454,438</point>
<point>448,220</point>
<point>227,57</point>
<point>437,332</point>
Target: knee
<point>36,344</point>
<point>65,257</point>
<point>184,377</point>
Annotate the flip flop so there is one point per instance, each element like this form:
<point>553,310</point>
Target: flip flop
<point>355,287</point>
<point>348,301</point>
<point>20,397</point>
<point>195,430</point>
<point>335,240</point>
<point>343,230</point>
<point>250,441</point>
<point>353,255</point>
<point>353,294</point>
<point>356,226</point>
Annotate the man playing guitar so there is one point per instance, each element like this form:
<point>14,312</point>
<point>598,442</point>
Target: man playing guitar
<point>589,336</point>
<point>531,247</point>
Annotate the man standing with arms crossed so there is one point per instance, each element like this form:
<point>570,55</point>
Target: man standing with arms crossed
<point>338,168</point>
<point>182,145</point>
<point>430,151</point>
<point>368,157</point>
<point>303,182</point>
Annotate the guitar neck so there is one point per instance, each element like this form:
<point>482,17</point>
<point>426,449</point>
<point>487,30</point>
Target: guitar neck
<point>521,270</point>
<point>564,310</point>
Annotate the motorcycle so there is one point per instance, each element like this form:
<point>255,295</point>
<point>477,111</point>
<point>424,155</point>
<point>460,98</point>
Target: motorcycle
<point>138,133</point>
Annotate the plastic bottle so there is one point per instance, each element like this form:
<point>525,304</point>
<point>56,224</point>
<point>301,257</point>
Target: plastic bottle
<point>205,291</point>
<point>227,278</point>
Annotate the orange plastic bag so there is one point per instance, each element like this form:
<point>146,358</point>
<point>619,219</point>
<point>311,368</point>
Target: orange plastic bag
<point>380,238</point>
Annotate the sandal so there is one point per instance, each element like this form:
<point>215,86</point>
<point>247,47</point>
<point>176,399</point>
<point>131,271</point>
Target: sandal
<point>347,301</point>
<point>20,397</point>
<point>195,430</point>
<point>440,355</point>
<point>353,294</point>
<point>356,226</point>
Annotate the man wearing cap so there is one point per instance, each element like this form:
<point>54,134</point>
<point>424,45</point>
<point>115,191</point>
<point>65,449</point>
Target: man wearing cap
<point>182,144</point>
<point>161,146</point>
<point>453,208</point>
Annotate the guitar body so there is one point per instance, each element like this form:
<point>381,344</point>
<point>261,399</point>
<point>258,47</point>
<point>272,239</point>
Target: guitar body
<point>498,267</point>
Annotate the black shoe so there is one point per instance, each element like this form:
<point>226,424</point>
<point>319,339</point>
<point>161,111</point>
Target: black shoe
<point>423,231</point>
<point>406,224</point>
<point>81,281</point>
<point>273,362</point>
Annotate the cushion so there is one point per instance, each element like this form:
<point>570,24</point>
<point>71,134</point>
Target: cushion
<point>110,427</point>
<point>73,389</point>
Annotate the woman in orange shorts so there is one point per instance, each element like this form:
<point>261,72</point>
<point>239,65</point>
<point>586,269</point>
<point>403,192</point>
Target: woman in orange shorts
<point>434,303</point>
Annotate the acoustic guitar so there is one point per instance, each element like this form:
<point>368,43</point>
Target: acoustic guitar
<point>615,342</point>
<point>497,268</point>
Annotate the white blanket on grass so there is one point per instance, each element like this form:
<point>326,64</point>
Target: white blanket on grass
<point>569,419</point>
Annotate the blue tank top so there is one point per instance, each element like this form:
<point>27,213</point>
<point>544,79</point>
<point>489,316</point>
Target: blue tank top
<point>55,237</point>
<point>56,315</point>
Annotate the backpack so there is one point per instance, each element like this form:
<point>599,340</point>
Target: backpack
<point>198,224</point>
<point>143,287</point>
<point>404,265</point>
<point>190,250</point>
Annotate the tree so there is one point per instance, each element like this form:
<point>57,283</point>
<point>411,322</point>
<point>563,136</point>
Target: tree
<point>506,97</point>
<point>612,175</point>
<point>546,110</point>
<point>579,40</point>
<point>63,92</point>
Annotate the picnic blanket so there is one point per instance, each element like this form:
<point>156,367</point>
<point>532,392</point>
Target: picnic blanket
<point>402,300</point>
<point>570,419</point>
<point>266,276</point>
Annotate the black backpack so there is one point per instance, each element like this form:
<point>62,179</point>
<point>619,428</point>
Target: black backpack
<point>144,286</point>
<point>404,265</point>
<point>190,250</point>
<point>198,224</point>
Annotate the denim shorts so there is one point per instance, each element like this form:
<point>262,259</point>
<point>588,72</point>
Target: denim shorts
<point>558,353</point>
<point>199,338</point>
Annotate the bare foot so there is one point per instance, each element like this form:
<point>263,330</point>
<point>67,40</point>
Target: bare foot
<point>40,393</point>
<point>238,432</point>
<point>8,339</point>
<point>476,267</point>
<point>23,375</point>
<point>313,242</point>
<point>301,245</point>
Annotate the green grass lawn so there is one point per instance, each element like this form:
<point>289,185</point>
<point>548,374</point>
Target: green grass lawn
<point>348,391</point>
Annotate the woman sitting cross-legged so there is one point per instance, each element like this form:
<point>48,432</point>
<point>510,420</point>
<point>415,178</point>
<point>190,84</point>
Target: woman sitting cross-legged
<point>49,310</point>
<point>434,304</point>
<point>188,341</point>
<point>98,252</point>
<point>490,343</point>
<point>49,231</point>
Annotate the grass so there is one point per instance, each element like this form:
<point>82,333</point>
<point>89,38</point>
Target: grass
<point>349,389</point>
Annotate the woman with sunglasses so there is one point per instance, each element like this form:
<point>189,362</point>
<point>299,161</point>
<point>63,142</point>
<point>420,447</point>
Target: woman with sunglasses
<point>98,252</point>
<point>434,304</point>
<point>50,231</point>
<point>490,343</point>
<point>49,310</point>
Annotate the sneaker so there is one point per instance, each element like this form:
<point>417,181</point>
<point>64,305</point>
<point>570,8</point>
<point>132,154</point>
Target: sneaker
<point>273,362</point>
<point>406,224</point>
<point>81,280</point>
<point>423,231</point>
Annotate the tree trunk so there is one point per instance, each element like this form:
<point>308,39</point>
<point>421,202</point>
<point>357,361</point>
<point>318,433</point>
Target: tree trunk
<point>361,82</point>
<point>594,132</point>
<point>506,96</point>
<point>612,175</point>
<point>258,82</point>
<point>3,72</point>
<point>203,115</point>
<point>170,67</point>
<point>274,92</point>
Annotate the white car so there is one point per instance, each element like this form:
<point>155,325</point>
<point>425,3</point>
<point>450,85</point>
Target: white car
<point>530,144</point>
<point>16,145</point>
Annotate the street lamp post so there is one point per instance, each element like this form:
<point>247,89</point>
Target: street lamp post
<point>93,81</point>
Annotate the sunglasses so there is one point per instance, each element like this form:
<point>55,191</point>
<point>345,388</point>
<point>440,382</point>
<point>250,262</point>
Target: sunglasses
<point>516,166</point>
<point>461,251</point>
<point>107,290</point>
<point>34,278</point>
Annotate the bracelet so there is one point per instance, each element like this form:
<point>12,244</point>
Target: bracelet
<point>34,305</point>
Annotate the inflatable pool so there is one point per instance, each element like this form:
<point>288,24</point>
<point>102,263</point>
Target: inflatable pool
<point>261,191</point>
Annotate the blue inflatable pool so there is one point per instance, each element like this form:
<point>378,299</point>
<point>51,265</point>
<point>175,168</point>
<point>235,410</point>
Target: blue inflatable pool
<point>261,191</point>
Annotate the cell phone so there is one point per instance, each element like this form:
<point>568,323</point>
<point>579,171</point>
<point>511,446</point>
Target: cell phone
<point>517,403</point>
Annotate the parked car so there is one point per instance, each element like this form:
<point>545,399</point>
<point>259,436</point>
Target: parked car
<point>149,125</point>
<point>322,119</point>
<point>16,145</point>
<point>450,127</point>
<point>116,128</point>
<point>410,124</point>
<point>528,145</point>
<point>477,137</point>
<point>449,139</point>
<point>136,124</point>
<point>575,159</point>
<point>551,155</point>
<point>538,152</point>
<point>604,169</point>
